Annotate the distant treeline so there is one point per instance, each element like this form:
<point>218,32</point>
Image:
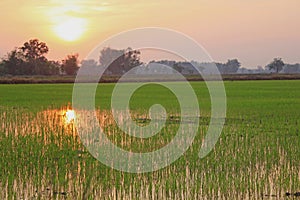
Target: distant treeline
<point>30,59</point>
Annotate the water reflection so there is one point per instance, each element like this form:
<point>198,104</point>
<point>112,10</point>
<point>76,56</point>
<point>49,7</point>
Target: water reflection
<point>63,121</point>
<point>69,116</point>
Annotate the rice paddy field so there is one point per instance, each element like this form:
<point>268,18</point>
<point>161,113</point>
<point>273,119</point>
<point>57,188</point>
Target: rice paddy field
<point>257,155</point>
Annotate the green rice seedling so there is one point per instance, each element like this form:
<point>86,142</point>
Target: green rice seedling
<point>256,157</point>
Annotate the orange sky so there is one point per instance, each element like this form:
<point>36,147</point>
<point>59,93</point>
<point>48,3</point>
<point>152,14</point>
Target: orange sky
<point>254,31</point>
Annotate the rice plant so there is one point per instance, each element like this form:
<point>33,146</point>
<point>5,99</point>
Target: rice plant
<point>256,157</point>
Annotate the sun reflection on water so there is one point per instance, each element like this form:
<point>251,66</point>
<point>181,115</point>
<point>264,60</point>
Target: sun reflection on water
<point>69,116</point>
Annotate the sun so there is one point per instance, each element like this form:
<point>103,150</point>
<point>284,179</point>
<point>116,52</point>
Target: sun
<point>70,29</point>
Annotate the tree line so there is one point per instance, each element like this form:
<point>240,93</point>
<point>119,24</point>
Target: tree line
<point>30,59</point>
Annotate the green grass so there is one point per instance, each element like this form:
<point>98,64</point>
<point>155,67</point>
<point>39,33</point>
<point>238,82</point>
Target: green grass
<point>256,156</point>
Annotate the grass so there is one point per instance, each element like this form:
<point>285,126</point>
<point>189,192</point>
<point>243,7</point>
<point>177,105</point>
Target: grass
<point>256,157</point>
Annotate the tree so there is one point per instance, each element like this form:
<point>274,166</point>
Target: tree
<point>291,68</point>
<point>30,60</point>
<point>198,66</point>
<point>70,64</point>
<point>277,65</point>
<point>108,55</point>
<point>34,50</point>
<point>232,66</point>
<point>89,63</point>
<point>2,69</point>
<point>178,67</point>
<point>34,53</point>
<point>14,64</point>
<point>119,61</point>
<point>49,68</point>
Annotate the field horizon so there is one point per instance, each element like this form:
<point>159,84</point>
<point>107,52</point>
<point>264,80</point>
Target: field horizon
<point>36,79</point>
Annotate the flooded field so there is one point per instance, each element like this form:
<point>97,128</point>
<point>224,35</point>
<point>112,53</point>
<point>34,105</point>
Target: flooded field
<point>256,157</point>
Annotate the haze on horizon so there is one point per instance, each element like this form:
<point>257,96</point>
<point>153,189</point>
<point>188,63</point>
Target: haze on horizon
<point>253,31</point>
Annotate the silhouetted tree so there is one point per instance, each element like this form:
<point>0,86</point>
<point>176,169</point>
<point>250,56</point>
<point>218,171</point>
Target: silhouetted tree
<point>34,50</point>
<point>277,65</point>
<point>108,55</point>
<point>49,68</point>
<point>291,68</point>
<point>30,60</point>
<point>89,63</point>
<point>34,53</point>
<point>119,61</point>
<point>178,67</point>
<point>198,65</point>
<point>2,69</point>
<point>230,67</point>
<point>70,64</point>
<point>14,64</point>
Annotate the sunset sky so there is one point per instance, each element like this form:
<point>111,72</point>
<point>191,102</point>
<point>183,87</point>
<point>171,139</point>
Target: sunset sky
<point>254,31</point>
